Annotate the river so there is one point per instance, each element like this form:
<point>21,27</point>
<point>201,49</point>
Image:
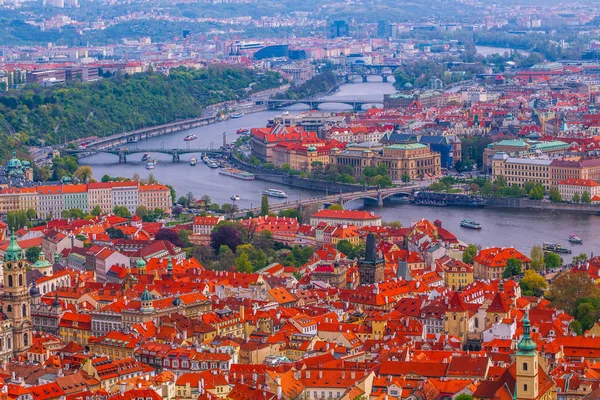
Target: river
<point>489,50</point>
<point>521,229</point>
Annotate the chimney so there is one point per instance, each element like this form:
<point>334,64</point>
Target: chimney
<point>320,374</point>
<point>242,313</point>
<point>279,389</point>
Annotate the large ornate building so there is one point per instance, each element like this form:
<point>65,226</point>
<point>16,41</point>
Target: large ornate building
<point>15,326</point>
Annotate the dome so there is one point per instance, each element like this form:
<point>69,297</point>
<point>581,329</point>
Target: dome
<point>42,262</point>
<point>526,345</point>
<point>146,296</point>
<point>14,162</point>
<point>312,148</point>
<point>141,263</point>
<point>509,115</point>
<point>335,149</point>
<point>34,291</point>
<point>65,179</point>
<point>408,85</point>
<point>13,251</point>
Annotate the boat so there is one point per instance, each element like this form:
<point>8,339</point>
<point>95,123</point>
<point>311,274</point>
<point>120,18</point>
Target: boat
<point>190,137</point>
<point>212,164</point>
<point>150,165</point>
<point>575,239</point>
<point>146,157</point>
<point>466,223</point>
<point>555,248</point>
<point>235,197</point>
<point>275,193</point>
<point>597,212</point>
<point>237,115</point>
<point>132,139</point>
<point>243,131</point>
<point>237,173</point>
<point>193,162</point>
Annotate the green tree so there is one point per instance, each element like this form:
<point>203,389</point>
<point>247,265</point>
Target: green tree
<point>537,193</point>
<point>405,178</point>
<point>31,214</point>
<point>152,179</point>
<point>552,260</point>
<point>32,254</point>
<point>76,213</point>
<point>575,326</point>
<point>537,258</point>
<point>585,197</point>
<point>345,247</point>
<point>264,205</point>
<point>242,263</point>
<point>173,193</point>
<point>469,253</point>
<point>336,207</point>
<point>285,167</point>
<point>184,236</point>
<point>513,267</point>
<point>17,219</point>
<point>206,200</point>
<point>141,211</point>
<point>555,196</point>
<point>105,178</point>
<point>115,233</point>
<point>83,174</point>
<point>464,396</point>
<point>121,211</point>
<point>581,258</point>
<point>576,198</point>
<point>96,211</point>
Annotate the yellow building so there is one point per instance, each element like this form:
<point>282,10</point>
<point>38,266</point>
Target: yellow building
<point>115,345</point>
<point>457,275</point>
<point>456,321</point>
<point>155,196</point>
<point>301,157</point>
<point>75,328</point>
<point>520,171</point>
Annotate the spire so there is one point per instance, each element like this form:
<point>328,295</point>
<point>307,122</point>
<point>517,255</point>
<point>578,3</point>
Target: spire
<point>13,251</point>
<point>526,345</point>
<point>170,268</point>
<point>141,264</point>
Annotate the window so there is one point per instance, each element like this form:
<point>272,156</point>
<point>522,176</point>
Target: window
<point>525,387</point>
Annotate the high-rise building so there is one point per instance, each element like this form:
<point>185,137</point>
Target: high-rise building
<point>370,268</point>
<point>339,29</point>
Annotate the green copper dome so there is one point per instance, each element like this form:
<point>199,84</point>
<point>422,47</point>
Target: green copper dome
<point>526,345</point>
<point>42,262</point>
<point>14,162</point>
<point>13,251</point>
<point>146,296</point>
<point>312,148</point>
<point>141,263</point>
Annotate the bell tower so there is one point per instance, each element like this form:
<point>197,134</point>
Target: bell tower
<point>527,365</point>
<point>16,299</point>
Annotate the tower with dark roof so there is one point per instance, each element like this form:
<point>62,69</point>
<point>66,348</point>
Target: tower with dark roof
<point>370,268</point>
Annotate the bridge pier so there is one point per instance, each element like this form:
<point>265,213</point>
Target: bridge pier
<point>365,78</point>
<point>384,78</point>
<point>357,107</point>
<point>175,155</point>
<point>314,106</point>
<point>379,198</point>
<point>122,157</point>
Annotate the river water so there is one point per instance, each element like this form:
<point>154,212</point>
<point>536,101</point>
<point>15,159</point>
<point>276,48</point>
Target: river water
<point>521,229</point>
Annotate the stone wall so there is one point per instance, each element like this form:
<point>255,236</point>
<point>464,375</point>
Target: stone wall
<point>539,205</point>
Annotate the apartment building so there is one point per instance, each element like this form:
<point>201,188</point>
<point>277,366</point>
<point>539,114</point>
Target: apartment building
<point>155,196</point>
<point>75,196</point>
<point>125,194</point>
<point>50,201</point>
<point>100,194</point>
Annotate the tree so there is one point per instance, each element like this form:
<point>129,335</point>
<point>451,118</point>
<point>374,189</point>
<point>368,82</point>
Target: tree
<point>464,396</point>
<point>206,200</point>
<point>555,196</point>
<point>575,326</point>
<point>533,284</point>
<point>552,260</point>
<point>285,167</point>
<point>83,174</point>
<point>576,198</point>
<point>115,233</point>
<point>169,235</point>
<point>121,211</point>
<point>76,213</point>
<point>345,247</point>
<point>173,193</point>
<point>513,268</point>
<point>31,214</point>
<point>17,219</point>
<point>226,234</point>
<point>242,263</point>
<point>581,258</point>
<point>141,211</point>
<point>469,254</point>
<point>537,258</point>
<point>585,197</point>
<point>96,211</point>
<point>152,179</point>
<point>291,213</point>
<point>184,237</point>
<point>190,199</point>
<point>336,207</point>
<point>537,193</point>
<point>405,178</point>
<point>32,254</point>
<point>183,201</point>
<point>567,288</point>
<point>226,259</point>
<point>105,178</point>
<point>264,205</point>
<point>394,224</point>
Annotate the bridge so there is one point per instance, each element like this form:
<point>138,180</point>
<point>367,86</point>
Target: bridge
<point>375,195</point>
<point>123,152</point>
<point>315,103</point>
<point>364,70</point>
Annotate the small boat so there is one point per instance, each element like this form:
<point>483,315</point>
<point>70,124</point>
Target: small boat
<point>237,115</point>
<point>243,131</point>
<point>235,197</point>
<point>212,164</point>
<point>555,248</point>
<point>275,193</point>
<point>236,173</point>
<point>466,223</point>
<point>575,239</point>
<point>146,157</point>
<point>150,165</point>
<point>132,139</point>
<point>190,137</point>
<point>193,162</point>
<point>597,212</point>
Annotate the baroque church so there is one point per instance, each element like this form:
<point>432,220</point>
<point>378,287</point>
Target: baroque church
<point>15,313</point>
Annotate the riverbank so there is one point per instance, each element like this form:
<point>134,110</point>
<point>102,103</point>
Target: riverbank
<point>504,202</point>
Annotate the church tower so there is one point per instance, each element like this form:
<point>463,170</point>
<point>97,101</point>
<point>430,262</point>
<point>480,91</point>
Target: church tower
<point>527,365</point>
<point>16,299</point>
